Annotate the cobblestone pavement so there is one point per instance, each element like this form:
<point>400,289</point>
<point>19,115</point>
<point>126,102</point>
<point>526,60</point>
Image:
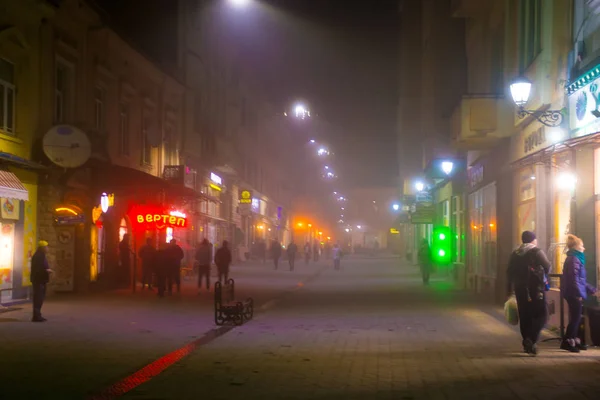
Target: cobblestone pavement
<point>91,341</point>
<point>372,331</point>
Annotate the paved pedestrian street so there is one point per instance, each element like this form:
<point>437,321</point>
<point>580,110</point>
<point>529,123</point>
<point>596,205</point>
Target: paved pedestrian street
<point>369,331</point>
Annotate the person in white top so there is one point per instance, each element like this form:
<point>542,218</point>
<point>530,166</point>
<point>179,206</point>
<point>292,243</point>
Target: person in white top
<point>337,256</point>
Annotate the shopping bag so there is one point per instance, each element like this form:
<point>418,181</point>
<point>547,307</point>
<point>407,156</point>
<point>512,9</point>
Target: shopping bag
<point>511,312</point>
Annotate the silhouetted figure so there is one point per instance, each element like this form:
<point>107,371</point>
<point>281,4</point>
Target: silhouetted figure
<point>40,276</point>
<point>174,257</point>
<point>124,258</point>
<point>204,259</point>
<point>425,262</point>
<point>223,261</point>
<point>147,254</point>
<point>316,250</point>
<point>292,250</point>
<point>276,252</point>
<point>337,257</point>
<point>307,252</point>
<point>161,268</point>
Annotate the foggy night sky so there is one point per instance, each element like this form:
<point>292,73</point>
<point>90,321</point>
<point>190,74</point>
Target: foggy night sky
<point>341,57</point>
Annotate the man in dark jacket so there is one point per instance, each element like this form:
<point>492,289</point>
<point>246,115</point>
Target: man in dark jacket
<point>174,255</point>
<point>276,252</point>
<point>527,268</point>
<point>125,259</point>
<point>204,259</point>
<point>223,261</point>
<point>292,250</point>
<point>161,269</point>
<point>40,275</point>
<point>147,254</point>
<point>425,262</point>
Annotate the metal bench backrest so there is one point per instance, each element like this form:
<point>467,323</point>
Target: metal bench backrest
<point>225,293</point>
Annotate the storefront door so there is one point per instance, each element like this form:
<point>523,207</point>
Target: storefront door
<point>7,240</point>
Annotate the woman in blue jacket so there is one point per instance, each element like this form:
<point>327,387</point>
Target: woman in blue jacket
<point>575,290</point>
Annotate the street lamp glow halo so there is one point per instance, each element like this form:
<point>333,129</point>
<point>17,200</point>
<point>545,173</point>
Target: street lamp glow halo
<point>239,3</point>
<point>520,89</point>
<point>447,167</point>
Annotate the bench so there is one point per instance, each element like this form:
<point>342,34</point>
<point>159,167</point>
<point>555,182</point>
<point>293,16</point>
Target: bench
<point>227,309</point>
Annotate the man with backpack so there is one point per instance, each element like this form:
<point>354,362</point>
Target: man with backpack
<point>526,275</point>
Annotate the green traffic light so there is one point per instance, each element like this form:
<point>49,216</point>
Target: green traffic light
<point>441,248</point>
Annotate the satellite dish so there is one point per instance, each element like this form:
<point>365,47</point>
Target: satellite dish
<point>67,146</point>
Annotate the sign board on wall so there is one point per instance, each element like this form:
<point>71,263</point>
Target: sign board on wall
<point>424,214</point>
<point>533,138</point>
<point>584,109</point>
<point>245,196</point>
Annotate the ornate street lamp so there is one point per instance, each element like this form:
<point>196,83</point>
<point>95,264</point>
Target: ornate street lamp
<point>520,90</point>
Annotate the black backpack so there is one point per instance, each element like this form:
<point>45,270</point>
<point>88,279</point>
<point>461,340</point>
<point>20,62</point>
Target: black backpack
<point>536,277</point>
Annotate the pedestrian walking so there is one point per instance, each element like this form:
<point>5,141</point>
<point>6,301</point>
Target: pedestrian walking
<point>223,261</point>
<point>125,259</point>
<point>574,290</point>
<point>161,268</point>
<point>307,252</point>
<point>425,261</point>
<point>528,268</point>
<point>204,259</point>
<point>337,256</point>
<point>276,252</point>
<point>292,250</point>
<point>316,250</point>
<point>147,254</point>
<point>40,276</point>
<point>174,255</point>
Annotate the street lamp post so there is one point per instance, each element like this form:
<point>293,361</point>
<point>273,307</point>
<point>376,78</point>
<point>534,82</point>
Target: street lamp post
<point>520,90</point>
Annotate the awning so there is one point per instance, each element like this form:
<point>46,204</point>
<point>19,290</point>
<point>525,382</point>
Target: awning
<point>11,187</point>
<point>20,161</point>
<point>116,178</point>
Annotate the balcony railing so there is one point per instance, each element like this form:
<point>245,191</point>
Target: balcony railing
<point>180,174</point>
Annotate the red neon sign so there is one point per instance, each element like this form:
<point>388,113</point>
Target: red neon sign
<point>156,218</point>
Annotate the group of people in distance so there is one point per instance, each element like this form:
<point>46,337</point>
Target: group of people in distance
<point>165,264</point>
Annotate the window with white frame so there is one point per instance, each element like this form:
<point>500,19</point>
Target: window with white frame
<point>146,145</point>
<point>7,97</point>
<point>99,110</point>
<point>123,130</point>
<point>63,83</point>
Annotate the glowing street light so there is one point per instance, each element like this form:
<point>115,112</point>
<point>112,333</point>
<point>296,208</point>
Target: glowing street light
<point>447,167</point>
<point>300,111</point>
<point>312,141</point>
<point>323,152</point>
<point>239,3</point>
<point>359,226</point>
<point>420,186</point>
<point>395,206</point>
<point>347,229</point>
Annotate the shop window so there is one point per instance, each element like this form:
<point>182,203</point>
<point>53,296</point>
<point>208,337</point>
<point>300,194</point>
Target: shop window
<point>7,243</point>
<point>7,97</point>
<point>483,239</point>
